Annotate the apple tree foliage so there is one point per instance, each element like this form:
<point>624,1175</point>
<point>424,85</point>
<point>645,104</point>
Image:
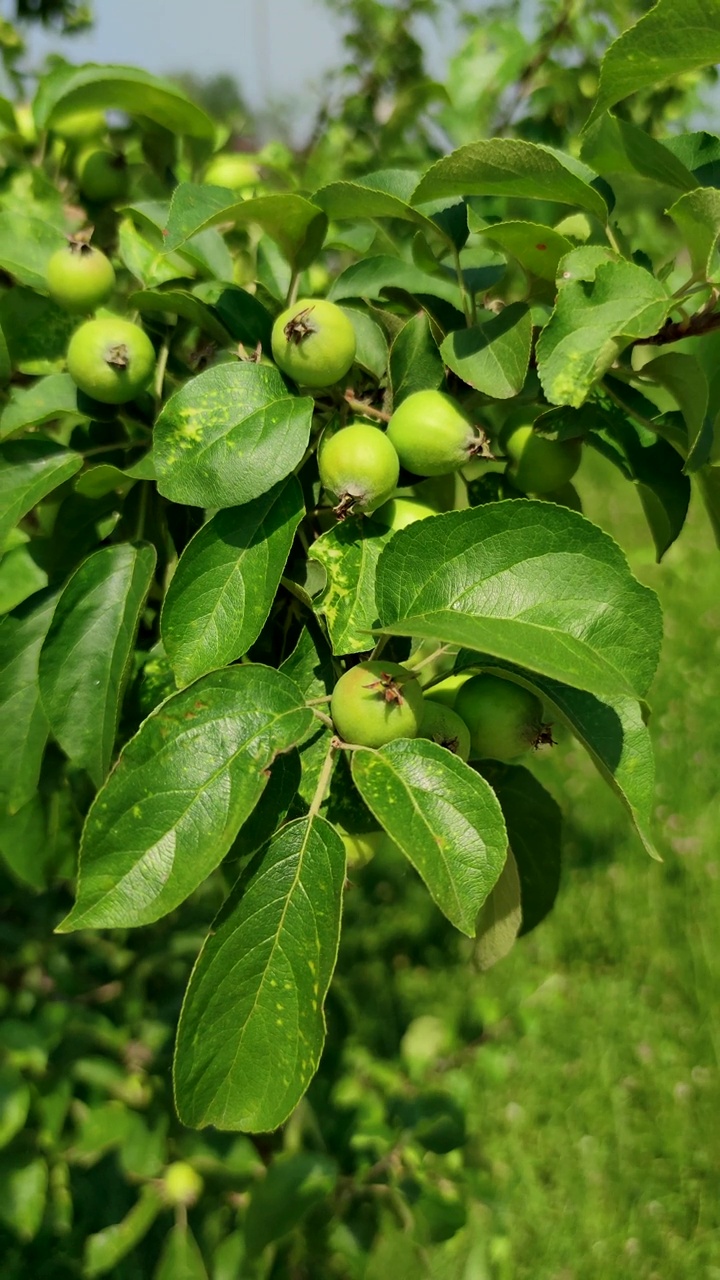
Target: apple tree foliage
<point>178,599</point>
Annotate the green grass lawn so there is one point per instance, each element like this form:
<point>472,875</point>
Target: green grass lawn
<point>593,1100</point>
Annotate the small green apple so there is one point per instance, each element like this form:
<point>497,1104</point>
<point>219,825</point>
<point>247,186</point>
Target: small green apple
<point>432,434</point>
<point>445,727</point>
<point>313,342</point>
<point>375,703</point>
<point>504,719</point>
<point>111,360</point>
<point>80,278</point>
<point>536,464</point>
<point>359,466</point>
<point>398,513</point>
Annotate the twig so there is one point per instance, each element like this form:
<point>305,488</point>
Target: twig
<point>369,410</point>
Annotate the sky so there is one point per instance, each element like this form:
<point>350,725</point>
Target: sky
<point>273,48</point>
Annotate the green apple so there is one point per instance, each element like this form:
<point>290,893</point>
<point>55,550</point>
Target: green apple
<point>504,719</point>
<point>111,360</point>
<point>231,169</point>
<point>359,466</point>
<point>313,342</point>
<point>432,434</point>
<point>375,703</point>
<point>445,727</point>
<point>536,464</point>
<point>398,513</point>
<point>80,278</point>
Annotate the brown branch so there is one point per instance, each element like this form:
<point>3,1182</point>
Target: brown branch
<point>675,330</point>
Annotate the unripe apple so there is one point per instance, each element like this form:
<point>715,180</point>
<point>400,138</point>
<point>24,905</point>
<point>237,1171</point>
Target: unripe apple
<point>181,1183</point>
<point>111,360</point>
<point>375,703</point>
<point>536,464</point>
<point>359,466</point>
<point>432,435</point>
<point>504,719</point>
<point>231,169</point>
<point>102,175</point>
<point>398,513</point>
<point>80,278</point>
<point>445,727</point>
<point>361,847</point>
<point>313,342</point>
<point>446,691</point>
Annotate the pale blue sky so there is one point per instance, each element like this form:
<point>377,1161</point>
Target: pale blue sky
<point>274,48</point>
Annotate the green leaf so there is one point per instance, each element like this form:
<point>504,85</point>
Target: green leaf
<point>529,582</point>
<point>37,331</point>
<point>229,435</point>
<point>372,348</point>
<point>68,89</point>
<point>614,146</point>
<point>26,246</point>
<point>20,576</point>
<point>5,367</point>
<point>700,153</point>
<point>85,660</point>
<point>25,727</point>
<point>105,1249</point>
<point>180,302</point>
<point>181,1258</point>
<point>14,1103</point>
<point>538,249</point>
<point>179,793</point>
<point>297,226</point>
<point>443,816</point>
<point>384,194</point>
<point>534,827</point>
<point>668,41</point>
<point>30,470</point>
<point>493,356</point>
<point>292,1186</point>
<point>42,401</point>
<point>27,842</point>
<point>226,580</point>
<point>499,921</point>
<point>615,736</point>
<point>655,467</point>
<point>22,1204</point>
<point>592,323</point>
<point>509,167</point>
<point>252,1025</point>
<point>685,378</point>
<point>415,362</point>
<point>371,277</point>
<point>697,216</point>
<point>245,319</point>
<point>349,554</point>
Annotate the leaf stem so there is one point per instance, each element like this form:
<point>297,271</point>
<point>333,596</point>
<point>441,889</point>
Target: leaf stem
<point>378,648</point>
<point>160,368</point>
<point>437,653</point>
<point>368,410</point>
<point>321,716</point>
<point>467,308</point>
<point>323,782</point>
<point>293,289</point>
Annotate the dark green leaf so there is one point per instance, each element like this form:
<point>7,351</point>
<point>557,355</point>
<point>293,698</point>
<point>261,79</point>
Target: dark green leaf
<point>42,401</point>
<point>181,790</point>
<point>226,580</point>
<point>252,1025</point>
<point>180,302</point>
<point>229,435</point>
<point>534,827</point>
<point>25,726</point>
<point>297,226</point>
<point>442,815</point>
<point>529,582</point>
<point>371,277</point>
<point>349,554</point>
<point>26,246</point>
<point>493,356</point>
<point>657,470</point>
<point>85,660</point>
<point>292,1186</point>
<point>616,146</point>
<point>415,362</point>
<point>30,470</point>
<point>538,249</point>
<point>105,1249</point>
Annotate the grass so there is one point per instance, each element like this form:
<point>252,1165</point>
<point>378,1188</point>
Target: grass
<point>596,1100</point>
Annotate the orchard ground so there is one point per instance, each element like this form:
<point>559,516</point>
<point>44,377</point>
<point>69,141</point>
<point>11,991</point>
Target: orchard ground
<point>593,1097</point>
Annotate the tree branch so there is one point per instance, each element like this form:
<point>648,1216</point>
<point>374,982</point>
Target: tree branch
<point>674,330</point>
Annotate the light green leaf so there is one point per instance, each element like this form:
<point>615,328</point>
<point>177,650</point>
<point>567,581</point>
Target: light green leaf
<point>697,216</point>
<point>538,249</point>
<point>25,727</point>
<point>528,582</point>
<point>226,580</point>
<point>297,226</point>
<point>86,657</point>
<point>384,194</point>
<point>591,326</point>
<point>615,146</point>
<point>105,1249</point>
<point>499,921</point>
<point>179,793</point>
<point>415,362</point>
<point>229,435</point>
<point>493,355</point>
<point>443,816</point>
<point>68,89</point>
<point>349,554</point>
<point>180,302</point>
<point>42,401</point>
<point>252,1025</point>
<point>181,1258</point>
<point>26,246</point>
<point>30,470</point>
<point>509,167</point>
<point>371,277</point>
<point>668,41</point>
<point>22,1204</point>
<point>14,1103</point>
<point>372,348</point>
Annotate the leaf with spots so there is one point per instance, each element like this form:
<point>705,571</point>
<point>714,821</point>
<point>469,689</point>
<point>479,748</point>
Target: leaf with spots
<point>252,1025</point>
<point>181,790</point>
<point>228,435</point>
<point>444,817</point>
<point>349,554</point>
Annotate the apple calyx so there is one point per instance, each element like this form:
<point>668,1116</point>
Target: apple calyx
<point>391,687</point>
<point>118,356</point>
<point>299,328</point>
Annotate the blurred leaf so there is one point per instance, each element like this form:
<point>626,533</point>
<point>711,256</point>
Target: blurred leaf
<point>14,1103</point>
<point>105,1249</point>
<point>500,918</point>
<point>25,728</point>
<point>181,1258</point>
<point>22,1204</point>
<point>68,89</point>
<point>697,216</point>
<point>292,1186</point>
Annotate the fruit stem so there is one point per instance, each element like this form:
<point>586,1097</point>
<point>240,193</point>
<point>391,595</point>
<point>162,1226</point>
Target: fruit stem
<point>378,648</point>
<point>323,781</point>
<point>313,702</point>
<point>463,290</point>
<point>321,716</point>
<point>160,371</point>
<point>368,409</point>
<point>292,292</point>
<point>444,648</point>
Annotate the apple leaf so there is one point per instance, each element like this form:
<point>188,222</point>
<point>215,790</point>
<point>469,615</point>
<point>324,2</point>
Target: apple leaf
<point>43,401</point>
<point>26,245</point>
<point>297,226</point>
<point>30,470</point>
<point>538,249</point>
<point>349,554</point>
<point>529,582</point>
<point>499,921</point>
<point>252,1025</point>
<point>228,435</point>
<point>510,167</point>
<point>697,216</point>
<point>179,793</point>
<point>67,89</point>
<point>493,355</point>
<point>415,362</point>
<point>226,580</point>
<point>180,302</point>
<point>85,659</point>
<point>372,277</point>
<point>25,726</point>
